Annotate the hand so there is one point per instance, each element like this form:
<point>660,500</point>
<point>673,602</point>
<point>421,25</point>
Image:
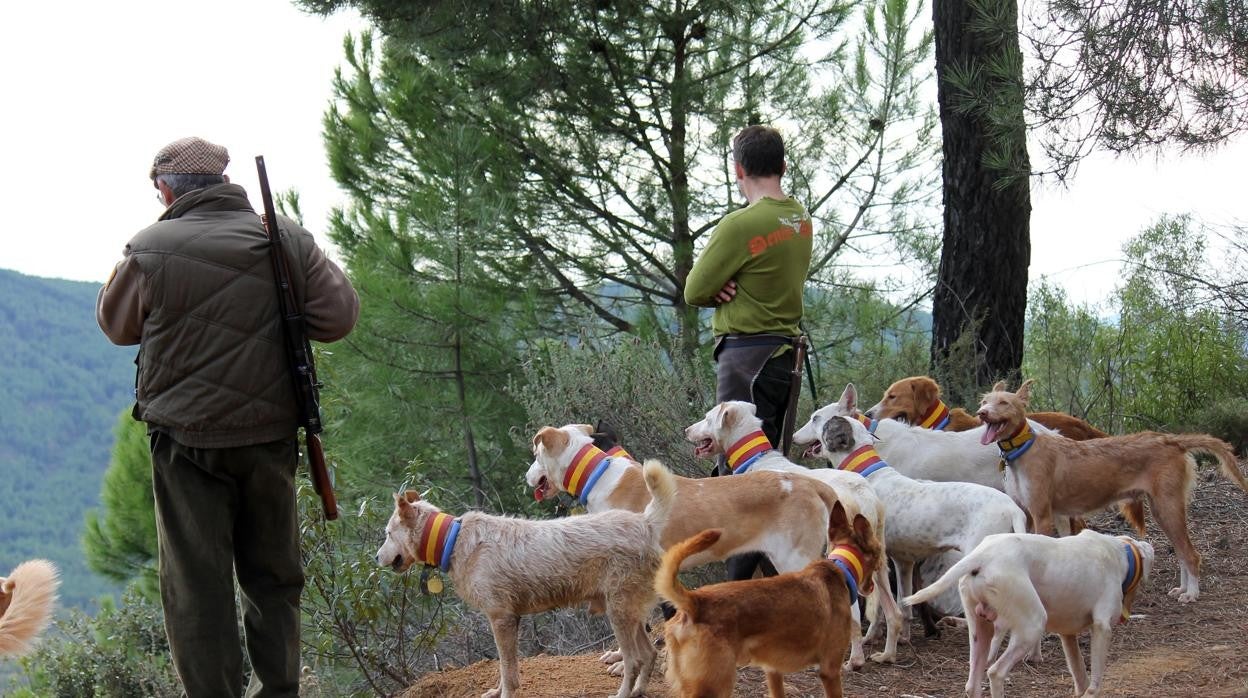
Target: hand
<point>727,292</point>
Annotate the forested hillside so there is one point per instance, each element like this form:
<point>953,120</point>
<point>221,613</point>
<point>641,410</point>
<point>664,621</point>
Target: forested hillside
<point>62,385</point>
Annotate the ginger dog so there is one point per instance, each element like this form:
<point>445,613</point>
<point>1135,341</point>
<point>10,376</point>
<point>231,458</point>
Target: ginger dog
<point>782,624</point>
<point>916,400</point>
<point>27,597</point>
<point>1049,475</point>
<point>1026,585</point>
<point>735,422</point>
<point>508,567</point>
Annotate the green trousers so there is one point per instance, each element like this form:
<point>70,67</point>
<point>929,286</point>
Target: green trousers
<point>222,512</point>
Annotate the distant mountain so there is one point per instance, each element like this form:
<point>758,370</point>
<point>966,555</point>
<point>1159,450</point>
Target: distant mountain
<point>62,387</point>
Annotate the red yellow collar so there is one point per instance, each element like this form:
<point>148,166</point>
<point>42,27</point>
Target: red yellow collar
<point>584,470</point>
<point>437,540</point>
<point>619,452</point>
<point>936,418</point>
<point>850,559</point>
<point>863,460</point>
<point>741,455</point>
<point>1135,573</point>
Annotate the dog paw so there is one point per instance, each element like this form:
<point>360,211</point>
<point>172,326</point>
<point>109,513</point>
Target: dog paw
<point>492,693</point>
<point>612,657</point>
<point>854,664</point>
<point>1188,597</point>
<point>616,669</point>
<point>884,657</point>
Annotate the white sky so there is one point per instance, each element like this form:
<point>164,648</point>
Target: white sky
<point>93,90</point>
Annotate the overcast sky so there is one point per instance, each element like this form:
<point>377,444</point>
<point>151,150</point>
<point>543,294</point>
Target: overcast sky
<point>93,90</point>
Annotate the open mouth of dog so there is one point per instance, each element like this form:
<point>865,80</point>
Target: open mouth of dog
<point>992,431</point>
<point>813,450</point>
<point>397,563</point>
<point>543,490</point>
<point>704,448</point>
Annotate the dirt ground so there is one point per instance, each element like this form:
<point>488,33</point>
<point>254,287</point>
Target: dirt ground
<point>1166,649</point>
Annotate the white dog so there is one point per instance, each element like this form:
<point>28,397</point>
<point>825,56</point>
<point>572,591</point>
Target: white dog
<point>917,452</point>
<point>729,425</point>
<point>1027,584</point>
<point>925,518</point>
<point>507,567</point>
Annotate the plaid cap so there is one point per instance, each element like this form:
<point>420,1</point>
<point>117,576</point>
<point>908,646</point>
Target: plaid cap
<point>190,156</point>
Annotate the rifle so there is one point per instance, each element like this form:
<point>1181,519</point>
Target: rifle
<point>298,354</point>
<point>795,392</point>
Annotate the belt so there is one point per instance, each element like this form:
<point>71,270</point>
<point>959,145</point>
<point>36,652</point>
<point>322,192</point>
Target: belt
<point>734,341</point>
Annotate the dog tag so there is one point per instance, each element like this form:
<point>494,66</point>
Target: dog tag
<point>434,584</point>
<point>577,510</point>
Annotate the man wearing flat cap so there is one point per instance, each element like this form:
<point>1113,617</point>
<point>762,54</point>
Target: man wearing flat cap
<point>196,292</point>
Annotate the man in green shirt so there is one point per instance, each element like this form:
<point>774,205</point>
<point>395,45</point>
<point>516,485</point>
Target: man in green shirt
<point>752,272</point>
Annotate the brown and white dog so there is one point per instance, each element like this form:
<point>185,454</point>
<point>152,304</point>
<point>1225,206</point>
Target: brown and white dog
<point>782,515</point>
<point>916,400</point>
<point>1049,475</point>
<point>27,597</point>
<point>782,624</point>
<point>730,428</point>
<point>508,567</point>
<point>1026,585</point>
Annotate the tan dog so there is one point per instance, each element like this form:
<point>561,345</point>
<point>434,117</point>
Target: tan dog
<point>27,597</point>
<point>507,567</point>
<point>916,400</point>
<point>782,624</point>
<point>780,514</point>
<point>1049,475</point>
<point>1025,585</point>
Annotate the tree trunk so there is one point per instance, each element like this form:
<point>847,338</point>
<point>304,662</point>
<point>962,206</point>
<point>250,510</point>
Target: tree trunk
<point>980,300</point>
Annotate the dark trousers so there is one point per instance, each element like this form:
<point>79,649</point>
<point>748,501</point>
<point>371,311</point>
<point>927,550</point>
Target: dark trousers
<point>221,512</point>
<point>751,374</point>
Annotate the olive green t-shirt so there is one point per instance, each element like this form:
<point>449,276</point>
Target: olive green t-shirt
<point>766,247</point>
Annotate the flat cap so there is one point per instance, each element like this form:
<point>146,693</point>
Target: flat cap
<point>190,156</point>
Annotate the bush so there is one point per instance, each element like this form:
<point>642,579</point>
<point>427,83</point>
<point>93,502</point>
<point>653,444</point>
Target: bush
<point>122,652</point>
<point>1226,419</point>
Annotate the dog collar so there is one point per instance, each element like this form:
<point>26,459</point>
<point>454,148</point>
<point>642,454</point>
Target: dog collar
<point>1135,572</point>
<point>848,559</point>
<point>619,452</point>
<point>437,540</point>
<point>747,449</point>
<point>866,421</point>
<point>1016,445</point>
<point>936,418</point>
<point>863,460</point>
<point>587,466</point>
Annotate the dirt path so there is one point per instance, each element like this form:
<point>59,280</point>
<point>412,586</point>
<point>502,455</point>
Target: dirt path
<point>1198,649</point>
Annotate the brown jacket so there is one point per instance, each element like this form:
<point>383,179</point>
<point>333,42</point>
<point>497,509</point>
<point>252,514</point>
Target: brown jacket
<point>196,292</point>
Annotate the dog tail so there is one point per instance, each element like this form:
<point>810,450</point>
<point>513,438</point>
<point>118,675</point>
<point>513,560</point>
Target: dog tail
<point>32,594</point>
<point>965,566</point>
<point>662,486</point>
<point>1019,520</point>
<point>1203,443</point>
<point>667,582</point>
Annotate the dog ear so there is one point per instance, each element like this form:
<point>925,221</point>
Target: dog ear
<point>408,497</point>
<point>838,522</point>
<point>587,428</point>
<point>926,392</point>
<point>999,386</point>
<point>838,435</point>
<point>727,416</point>
<point>862,528</point>
<point>1024,390</point>
<point>849,397</point>
<point>551,438</point>
<point>6,586</point>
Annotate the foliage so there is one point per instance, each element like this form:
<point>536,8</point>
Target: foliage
<point>63,387</point>
<point>610,123</point>
<point>630,385</point>
<point>1162,361</point>
<point>120,539</point>
<point>1133,75</point>
<point>122,652</point>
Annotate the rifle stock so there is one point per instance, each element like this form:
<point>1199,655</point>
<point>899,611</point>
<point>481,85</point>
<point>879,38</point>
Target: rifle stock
<point>298,353</point>
<point>795,392</point>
